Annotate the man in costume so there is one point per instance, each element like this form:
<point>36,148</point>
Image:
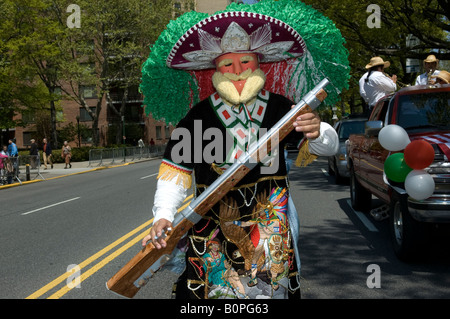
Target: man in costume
<point>255,222</point>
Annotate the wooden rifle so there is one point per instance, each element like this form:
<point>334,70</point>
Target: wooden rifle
<point>131,277</point>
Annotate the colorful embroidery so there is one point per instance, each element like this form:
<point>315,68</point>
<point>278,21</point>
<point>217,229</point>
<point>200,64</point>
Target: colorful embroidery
<point>169,171</point>
<point>241,122</point>
<point>262,261</point>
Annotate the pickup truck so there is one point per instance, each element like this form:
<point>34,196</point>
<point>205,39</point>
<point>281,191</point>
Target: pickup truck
<point>424,112</point>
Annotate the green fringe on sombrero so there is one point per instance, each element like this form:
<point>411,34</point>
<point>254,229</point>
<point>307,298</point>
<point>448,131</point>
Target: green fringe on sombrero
<point>168,93</point>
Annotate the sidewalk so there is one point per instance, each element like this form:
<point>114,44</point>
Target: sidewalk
<point>58,171</point>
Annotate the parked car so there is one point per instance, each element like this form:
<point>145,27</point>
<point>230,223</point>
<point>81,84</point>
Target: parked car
<point>337,164</point>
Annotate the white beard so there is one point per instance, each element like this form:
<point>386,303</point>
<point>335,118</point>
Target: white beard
<point>228,92</point>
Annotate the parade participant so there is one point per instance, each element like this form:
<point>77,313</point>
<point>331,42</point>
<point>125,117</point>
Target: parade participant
<point>377,83</point>
<point>255,223</point>
<point>430,65</point>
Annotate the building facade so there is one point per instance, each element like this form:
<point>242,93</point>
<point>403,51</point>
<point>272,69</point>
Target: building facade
<point>112,128</point>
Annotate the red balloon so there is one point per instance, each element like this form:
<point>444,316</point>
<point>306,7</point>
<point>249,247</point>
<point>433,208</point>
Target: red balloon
<point>419,154</point>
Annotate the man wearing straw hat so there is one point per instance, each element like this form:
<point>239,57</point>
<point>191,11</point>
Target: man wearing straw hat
<point>377,84</point>
<point>235,57</point>
<point>430,65</point>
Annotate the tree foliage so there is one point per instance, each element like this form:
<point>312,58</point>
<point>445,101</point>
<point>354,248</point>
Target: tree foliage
<point>19,91</point>
<point>427,20</point>
<point>41,51</point>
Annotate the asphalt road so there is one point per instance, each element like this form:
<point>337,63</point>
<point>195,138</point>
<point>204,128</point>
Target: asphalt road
<point>94,221</point>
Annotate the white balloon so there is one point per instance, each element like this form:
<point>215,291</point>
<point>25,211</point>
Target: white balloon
<point>393,138</point>
<point>419,184</point>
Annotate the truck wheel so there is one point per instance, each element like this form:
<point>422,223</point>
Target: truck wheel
<point>409,237</point>
<point>361,198</point>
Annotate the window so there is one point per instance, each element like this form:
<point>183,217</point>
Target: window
<point>84,115</point>
<point>158,132</point>
<point>424,110</point>
<point>27,136</point>
<point>88,92</point>
<point>167,132</point>
<point>28,117</point>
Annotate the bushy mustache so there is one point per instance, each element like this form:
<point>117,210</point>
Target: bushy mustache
<point>238,77</point>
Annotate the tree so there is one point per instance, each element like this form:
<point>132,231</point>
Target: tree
<point>20,91</point>
<point>428,20</point>
<point>42,50</point>
<point>108,49</point>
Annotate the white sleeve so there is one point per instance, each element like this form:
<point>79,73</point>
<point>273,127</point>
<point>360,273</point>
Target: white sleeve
<point>417,80</point>
<point>362,90</point>
<point>168,198</point>
<point>384,82</point>
<point>327,144</point>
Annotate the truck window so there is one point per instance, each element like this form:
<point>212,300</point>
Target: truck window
<point>424,110</point>
<point>380,110</point>
<point>351,127</point>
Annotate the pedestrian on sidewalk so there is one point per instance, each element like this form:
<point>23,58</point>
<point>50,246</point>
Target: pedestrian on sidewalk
<point>66,153</point>
<point>14,154</point>
<point>12,149</point>
<point>3,158</point>
<point>47,153</point>
<point>34,154</point>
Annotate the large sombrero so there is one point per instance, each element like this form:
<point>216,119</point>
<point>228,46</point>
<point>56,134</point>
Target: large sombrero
<point>272,39</point>
<point>297,47</point>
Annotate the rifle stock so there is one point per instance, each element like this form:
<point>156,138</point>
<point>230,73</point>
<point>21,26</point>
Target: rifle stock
<point>130,278</point>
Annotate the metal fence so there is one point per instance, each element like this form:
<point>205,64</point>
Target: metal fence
<point>109,156</point>
<point>19,167</point>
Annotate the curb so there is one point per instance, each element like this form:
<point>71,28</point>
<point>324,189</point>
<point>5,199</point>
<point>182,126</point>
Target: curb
<point>65,175</point>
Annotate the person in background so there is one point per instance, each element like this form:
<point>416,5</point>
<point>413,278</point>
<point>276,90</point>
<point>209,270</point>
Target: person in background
<point>377,84</point>
<point>66,154</point>
<point>362,91</point>
<point>3,156</point>
<point>34,154</point>
<point>47,153</point>
<point>430,65</point>
<point>12,149</point>
<point>13,165</point>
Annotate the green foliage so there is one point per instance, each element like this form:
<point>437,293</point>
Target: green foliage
<point>39,52</point>
<point>425,19</point>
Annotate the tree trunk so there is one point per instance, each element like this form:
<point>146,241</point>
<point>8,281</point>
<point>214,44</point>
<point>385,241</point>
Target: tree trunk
<point>54,132</point>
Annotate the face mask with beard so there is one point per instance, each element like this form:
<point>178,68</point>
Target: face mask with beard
<point>253,85</point>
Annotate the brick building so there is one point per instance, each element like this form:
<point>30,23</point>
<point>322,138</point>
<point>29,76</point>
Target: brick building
<point>137,124</point>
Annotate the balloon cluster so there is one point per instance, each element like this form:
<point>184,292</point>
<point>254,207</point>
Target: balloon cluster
<point>409,166</point>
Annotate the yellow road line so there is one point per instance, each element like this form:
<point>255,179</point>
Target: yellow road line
<point>85,263</point>
<point>102,263</point>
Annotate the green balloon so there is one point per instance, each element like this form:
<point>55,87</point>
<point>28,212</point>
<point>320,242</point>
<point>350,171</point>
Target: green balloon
<point>396,168</point>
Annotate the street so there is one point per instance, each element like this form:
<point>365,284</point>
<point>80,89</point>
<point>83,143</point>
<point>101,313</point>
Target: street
<point>64,238</point>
